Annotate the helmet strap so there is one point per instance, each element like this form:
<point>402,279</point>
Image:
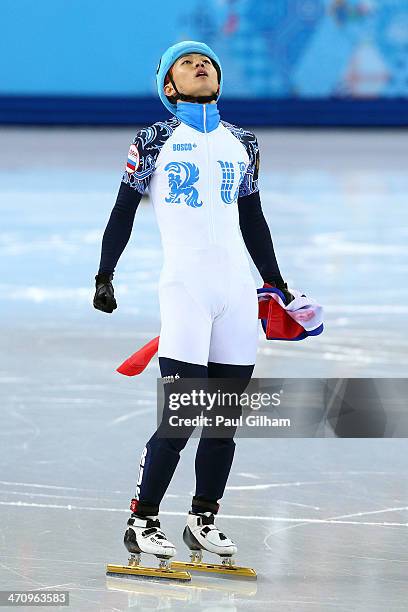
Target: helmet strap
<point>187,98</point>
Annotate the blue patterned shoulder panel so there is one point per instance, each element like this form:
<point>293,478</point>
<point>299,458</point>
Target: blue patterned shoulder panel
<point>143,153</point>
<point>248,139</point>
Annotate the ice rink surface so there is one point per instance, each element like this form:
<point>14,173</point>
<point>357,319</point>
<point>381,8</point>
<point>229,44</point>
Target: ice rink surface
<point>323,521</point>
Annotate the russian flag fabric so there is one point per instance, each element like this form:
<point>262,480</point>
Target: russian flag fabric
<point>301,318</point>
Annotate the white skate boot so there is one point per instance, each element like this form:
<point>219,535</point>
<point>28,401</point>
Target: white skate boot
<point>201,534</point>
<point>143,535</point>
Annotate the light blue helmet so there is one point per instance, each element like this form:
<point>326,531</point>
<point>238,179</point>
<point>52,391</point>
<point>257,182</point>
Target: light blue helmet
<point>174,53</point>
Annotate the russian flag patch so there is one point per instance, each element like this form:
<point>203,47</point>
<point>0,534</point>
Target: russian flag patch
<point>132,160</point>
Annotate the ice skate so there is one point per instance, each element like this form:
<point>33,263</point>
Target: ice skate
<point>200,534</point>
<point>144,535</point>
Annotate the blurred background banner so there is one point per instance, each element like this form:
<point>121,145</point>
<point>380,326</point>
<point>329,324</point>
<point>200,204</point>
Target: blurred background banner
<point>286,62</point>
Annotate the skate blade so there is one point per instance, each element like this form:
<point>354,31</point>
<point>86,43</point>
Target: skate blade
<point>138,571</point>
<point>226,571</point>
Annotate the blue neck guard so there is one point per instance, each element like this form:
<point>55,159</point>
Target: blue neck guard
<point>201,117</point>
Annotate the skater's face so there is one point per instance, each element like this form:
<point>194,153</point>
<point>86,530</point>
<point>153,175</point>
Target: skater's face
<point>194,75</point>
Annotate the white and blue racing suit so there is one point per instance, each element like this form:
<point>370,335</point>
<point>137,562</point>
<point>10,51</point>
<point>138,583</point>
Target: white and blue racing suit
<point>202,176</point>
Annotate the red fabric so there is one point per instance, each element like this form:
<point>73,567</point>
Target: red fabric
<point>263,308</point>
<point>136,363</point>
<point>279,324</point>
<point>133,505</point>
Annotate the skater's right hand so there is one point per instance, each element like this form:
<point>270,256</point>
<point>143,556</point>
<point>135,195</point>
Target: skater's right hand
<point>104,298</point>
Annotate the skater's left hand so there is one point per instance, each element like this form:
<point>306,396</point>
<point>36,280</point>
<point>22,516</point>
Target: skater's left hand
<point>282,286</point>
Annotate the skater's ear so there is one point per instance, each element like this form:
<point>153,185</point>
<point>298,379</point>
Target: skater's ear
<point>168,88</point>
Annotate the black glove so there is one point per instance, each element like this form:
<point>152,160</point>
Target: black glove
<point>282,286</point>
<point>104,298</point>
